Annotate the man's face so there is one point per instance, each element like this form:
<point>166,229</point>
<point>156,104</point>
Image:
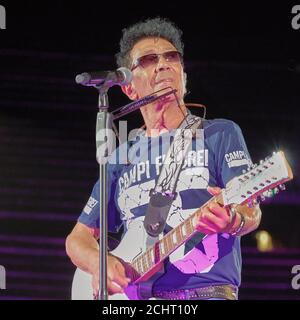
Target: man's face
<point>155,76</point>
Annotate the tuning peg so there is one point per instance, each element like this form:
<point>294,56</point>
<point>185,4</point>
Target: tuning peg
<point>244,171</point>
<point>275,191</point>
<point>262,198</point>
<point>261,161</point>
<point>282,187</point>
<point>268,194</point>
<point>250,204</point>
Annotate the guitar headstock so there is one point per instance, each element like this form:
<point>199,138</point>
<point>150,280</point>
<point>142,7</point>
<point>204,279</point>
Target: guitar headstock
<point>261,180</point>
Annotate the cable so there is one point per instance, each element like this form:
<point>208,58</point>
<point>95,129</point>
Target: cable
<point>197,105</point>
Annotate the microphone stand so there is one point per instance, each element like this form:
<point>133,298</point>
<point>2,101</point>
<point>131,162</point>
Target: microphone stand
<point>104,144</point>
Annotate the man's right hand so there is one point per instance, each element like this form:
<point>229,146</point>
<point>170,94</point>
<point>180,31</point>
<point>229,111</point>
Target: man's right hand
<point>116,277</point>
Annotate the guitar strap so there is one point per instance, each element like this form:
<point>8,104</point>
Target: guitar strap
<point>164,192</point>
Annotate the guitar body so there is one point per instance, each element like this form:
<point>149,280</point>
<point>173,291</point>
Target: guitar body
<point>134,243</point>
<point>82,288</point>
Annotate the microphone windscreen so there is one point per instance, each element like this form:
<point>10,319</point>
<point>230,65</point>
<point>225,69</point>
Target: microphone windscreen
<point>83,78</point>
<point>127,75</point>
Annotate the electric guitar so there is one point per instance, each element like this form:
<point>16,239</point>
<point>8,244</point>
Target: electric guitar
<point>145,254</point>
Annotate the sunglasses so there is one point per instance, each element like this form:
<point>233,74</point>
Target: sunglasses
<point>152,59</point>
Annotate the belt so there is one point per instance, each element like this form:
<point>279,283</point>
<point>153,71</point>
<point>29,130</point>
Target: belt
<point>228,292</point>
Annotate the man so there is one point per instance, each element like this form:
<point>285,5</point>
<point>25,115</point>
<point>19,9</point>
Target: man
<point>198,269</point>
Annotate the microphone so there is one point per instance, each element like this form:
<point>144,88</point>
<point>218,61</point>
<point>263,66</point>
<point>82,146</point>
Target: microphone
<point>121,77</point>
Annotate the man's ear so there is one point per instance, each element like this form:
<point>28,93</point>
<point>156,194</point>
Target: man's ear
<point>184,77</point>
<point>130,92</point>
<point>185,83</point>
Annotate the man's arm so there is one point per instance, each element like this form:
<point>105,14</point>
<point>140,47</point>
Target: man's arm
<point>83,249</point>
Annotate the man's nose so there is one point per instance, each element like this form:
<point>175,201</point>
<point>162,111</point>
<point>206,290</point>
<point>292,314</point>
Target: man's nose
<point>162,63</point>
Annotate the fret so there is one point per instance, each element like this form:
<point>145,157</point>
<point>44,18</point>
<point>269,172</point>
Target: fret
<point>162,247</point>
<point>172,242</point>
<point>134,265</point>
<point>179,235</point>
<point>193,223</point>
<point>182,227</point>
<point>149,258</point>
<point>189,225</point>
<point>166,243</point>
<point>157,252</point>
<point>169,242</point>
<point>185,226</point>
<point>134,272</point>
<point>174,237</point>
<point>148,263</point>
<point>144,263</point>
<point>152,254</point>
<point>139,265</point>
<point>146,259</point>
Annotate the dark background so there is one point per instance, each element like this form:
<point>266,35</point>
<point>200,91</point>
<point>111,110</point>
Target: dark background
<point>243,63</point>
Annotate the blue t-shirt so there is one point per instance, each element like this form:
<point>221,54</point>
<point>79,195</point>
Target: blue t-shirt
<point>214,259</point>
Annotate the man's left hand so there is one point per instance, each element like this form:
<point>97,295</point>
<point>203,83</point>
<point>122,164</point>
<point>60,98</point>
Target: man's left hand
<point>213,218</point>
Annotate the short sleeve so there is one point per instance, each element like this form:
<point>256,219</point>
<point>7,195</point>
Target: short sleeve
<point>90,213</point>
<point>232,156</point>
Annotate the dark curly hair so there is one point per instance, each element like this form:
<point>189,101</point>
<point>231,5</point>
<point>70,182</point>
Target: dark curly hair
<point>154,27</point>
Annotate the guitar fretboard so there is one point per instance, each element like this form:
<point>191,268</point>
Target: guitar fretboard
<point>165,246</point>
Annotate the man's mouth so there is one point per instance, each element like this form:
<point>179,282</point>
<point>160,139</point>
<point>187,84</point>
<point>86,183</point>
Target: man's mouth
<point>164,81</point>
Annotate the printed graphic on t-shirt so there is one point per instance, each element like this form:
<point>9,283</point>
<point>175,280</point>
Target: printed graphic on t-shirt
<point>237,158</point>
<point>132,196</point>
<point>92,202</point>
